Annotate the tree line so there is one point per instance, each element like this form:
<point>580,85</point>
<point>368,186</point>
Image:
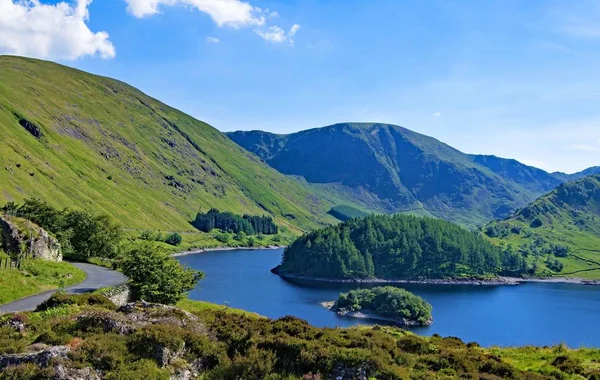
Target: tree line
<point>398,247</point>
<point>229,222</point>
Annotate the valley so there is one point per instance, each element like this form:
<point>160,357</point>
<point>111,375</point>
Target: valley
<point>109,176</point>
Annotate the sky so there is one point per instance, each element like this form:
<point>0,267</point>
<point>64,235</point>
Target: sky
<point>513,78</point>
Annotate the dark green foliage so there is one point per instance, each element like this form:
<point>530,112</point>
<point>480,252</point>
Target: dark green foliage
<point>155,276</point>
<point>397,247</point>
<point>229,222</point>
<point>387,301</point>
<point>86,299</point>
<point>174,239</point>
<point>345,212</point>
<point>80,233</point>
<point>554,265</point>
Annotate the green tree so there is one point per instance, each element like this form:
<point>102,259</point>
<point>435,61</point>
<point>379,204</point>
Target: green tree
<point>155,276</point>
<point>174,239</point>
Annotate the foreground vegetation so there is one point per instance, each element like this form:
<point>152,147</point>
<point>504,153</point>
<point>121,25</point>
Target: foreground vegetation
<point>219,343</point>
<point>388,302</point>
<point>558,234</point>
<point>397,247</point>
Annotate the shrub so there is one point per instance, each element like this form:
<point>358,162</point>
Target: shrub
<point>87,299</point>
<point>106,352</point>
<point>174,239</point>
<point>155,276</point>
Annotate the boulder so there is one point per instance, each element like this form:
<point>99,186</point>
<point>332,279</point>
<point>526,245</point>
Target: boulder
<point>64,373</point>
<point>19,236</point>
<point>41,359</point>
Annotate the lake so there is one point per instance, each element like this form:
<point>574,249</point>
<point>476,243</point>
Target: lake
<point>530,314</point>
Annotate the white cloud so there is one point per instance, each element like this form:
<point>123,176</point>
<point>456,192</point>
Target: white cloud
<point>233,13</point>
<point>213,40</point>
<point>57,31</point>
<point>437,114</point>
<point>278,35</point>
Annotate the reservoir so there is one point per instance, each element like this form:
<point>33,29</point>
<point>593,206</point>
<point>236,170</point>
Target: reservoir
<point>529,314</point>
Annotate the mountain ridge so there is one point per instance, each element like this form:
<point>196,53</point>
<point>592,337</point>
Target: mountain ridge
<point>388,168</point>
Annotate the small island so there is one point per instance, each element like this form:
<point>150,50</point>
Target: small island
<point>384,303</point>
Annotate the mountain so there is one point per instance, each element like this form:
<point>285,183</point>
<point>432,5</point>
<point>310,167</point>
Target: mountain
<point>85,141</point>
<point>572,177</point>
<point>562,226</point>
<point>387,168</point>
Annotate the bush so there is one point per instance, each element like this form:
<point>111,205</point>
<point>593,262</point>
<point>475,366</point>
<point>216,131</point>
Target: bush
<point>88,299</point>
<point>155,276</point>
<point>174,239</point>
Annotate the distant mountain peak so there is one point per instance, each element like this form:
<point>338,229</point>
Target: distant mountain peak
<point>389,168</point>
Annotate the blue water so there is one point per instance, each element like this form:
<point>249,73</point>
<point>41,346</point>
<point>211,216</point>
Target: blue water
<point>529,314</point>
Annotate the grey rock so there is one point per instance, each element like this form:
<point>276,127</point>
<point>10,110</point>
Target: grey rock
<point>37,242</point>
<point>65,373</point>
<point>41,359</point>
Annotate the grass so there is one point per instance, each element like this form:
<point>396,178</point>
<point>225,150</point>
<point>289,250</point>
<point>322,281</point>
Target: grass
<point>108,148</point>
<point>200,308</point>
<point>543,360</point>
<point>37,276</point>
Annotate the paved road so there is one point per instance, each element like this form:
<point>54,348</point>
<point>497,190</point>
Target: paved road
<point>97,277</point>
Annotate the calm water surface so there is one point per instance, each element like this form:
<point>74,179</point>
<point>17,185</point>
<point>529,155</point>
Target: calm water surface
<point>529,314</point>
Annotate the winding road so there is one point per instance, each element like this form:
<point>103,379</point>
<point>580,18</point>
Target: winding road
<point>97,277</point>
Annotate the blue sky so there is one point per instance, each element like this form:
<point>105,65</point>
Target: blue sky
<point>517,79</point>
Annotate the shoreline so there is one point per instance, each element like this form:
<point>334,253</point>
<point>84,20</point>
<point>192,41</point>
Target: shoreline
<point>511,281</point>
<point>366,314</point>
<point>216,249</point>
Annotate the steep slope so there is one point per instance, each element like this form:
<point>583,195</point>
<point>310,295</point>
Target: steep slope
<point>388,168</point>
<point>563,226</point>
<point>80,140</point>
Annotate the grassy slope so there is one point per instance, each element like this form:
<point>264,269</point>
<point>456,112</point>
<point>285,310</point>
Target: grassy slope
<point>387,168</point>
<point>109,148</point>
<point>36,276</point>
<point>570,216</point>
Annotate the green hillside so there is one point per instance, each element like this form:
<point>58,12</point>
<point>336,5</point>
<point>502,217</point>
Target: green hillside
<point>387,168</point>
<point>563,226</point>
<point>84,141</point>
